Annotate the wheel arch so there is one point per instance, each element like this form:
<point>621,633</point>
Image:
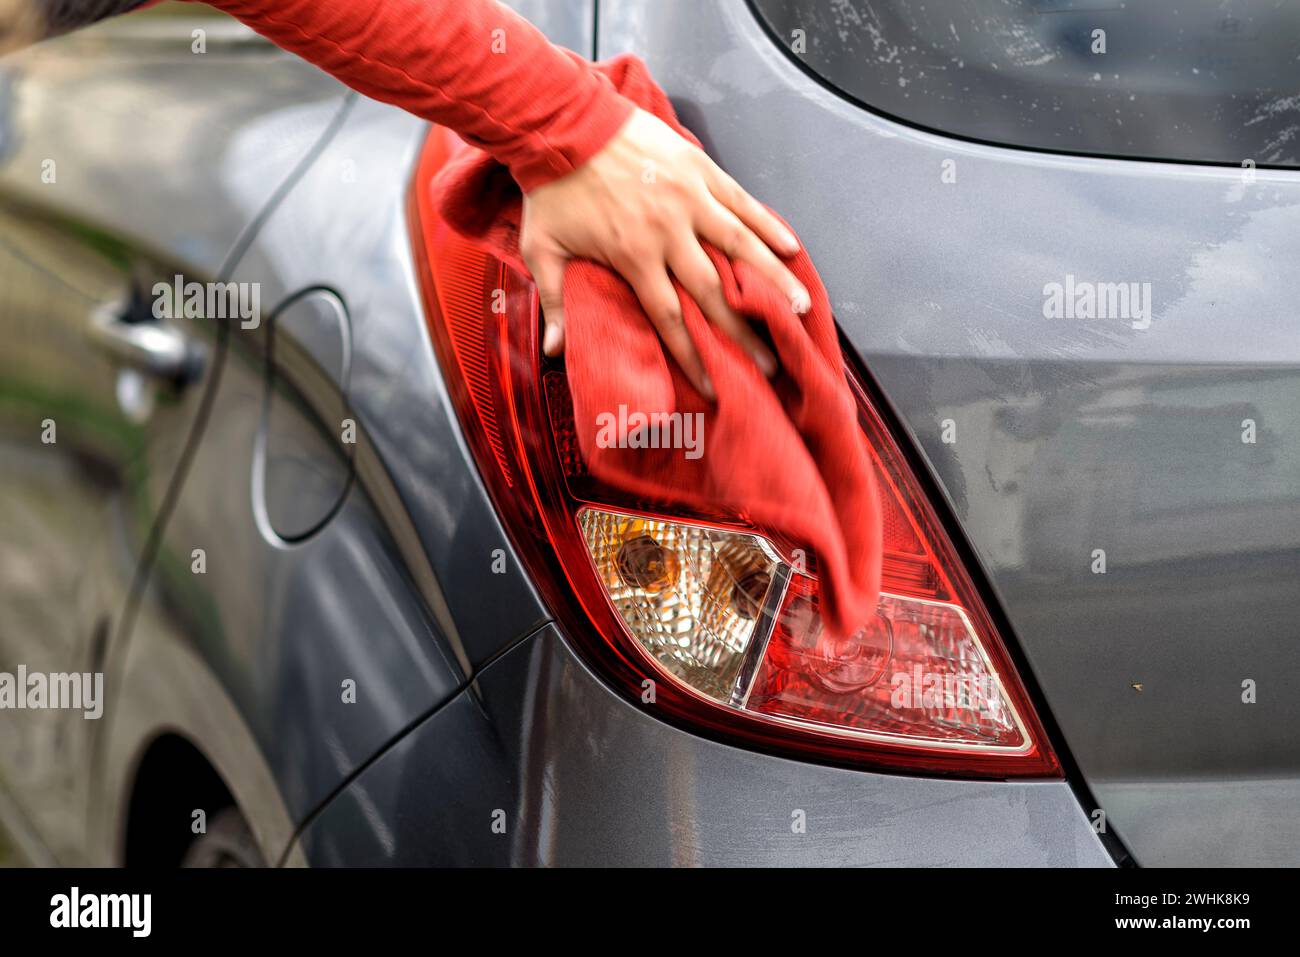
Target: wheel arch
<point>173,734</point>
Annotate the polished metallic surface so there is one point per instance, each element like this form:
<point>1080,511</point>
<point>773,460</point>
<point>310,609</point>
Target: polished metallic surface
<point>302,468</point>
<point>393,593</point>
<point>573,775</point>
<point>91,219</point>
<point>156,350</point>
<point>326,644</point>
<point>344,225</point>
<point>290,572</point>
<point>1071,435</point>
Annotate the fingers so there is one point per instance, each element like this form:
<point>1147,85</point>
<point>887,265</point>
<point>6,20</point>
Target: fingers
<point>752,213</point>
<point>695,271</point>
<point>659,299</point>
<point>548,272</point>
<point>720,226</point>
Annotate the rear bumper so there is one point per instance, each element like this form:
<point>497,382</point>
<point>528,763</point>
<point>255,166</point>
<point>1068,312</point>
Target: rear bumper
<point>578,776</point>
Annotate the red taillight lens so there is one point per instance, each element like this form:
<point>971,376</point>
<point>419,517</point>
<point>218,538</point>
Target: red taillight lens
<point>706,619</point>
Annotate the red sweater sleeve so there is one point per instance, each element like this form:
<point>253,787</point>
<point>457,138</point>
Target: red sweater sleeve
<point>471,65</point>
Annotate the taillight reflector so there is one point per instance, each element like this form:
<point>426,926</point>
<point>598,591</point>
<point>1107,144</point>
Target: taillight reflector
<point>705,619</point>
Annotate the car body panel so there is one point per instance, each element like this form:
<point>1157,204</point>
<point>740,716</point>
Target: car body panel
<point>368,666</point>
<point>347,218</point>
<point>539,763</point>
<point>1071,435</point>
<point>394,590</point>
<point>172,690</point>
<point>324,643</point>
<point>251,658</point>
<point>91,223</point>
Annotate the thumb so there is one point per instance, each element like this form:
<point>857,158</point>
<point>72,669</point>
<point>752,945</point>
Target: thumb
<point>548,273</point>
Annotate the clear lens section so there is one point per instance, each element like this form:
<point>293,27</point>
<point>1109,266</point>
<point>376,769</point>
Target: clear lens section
<point>916,672</point>
<point>694,598</point>
<point>690,595</point>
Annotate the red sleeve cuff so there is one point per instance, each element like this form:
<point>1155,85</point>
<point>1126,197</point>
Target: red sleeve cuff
<point>574,137</point>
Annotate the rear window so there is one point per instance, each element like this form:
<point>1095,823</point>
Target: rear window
<point>1214,81</point>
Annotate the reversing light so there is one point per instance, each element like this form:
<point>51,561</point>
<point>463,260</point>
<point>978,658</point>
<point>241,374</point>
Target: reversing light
<point>706,619</point>
<point>697,617</point>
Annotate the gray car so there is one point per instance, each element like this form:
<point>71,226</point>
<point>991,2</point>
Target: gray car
<point>274,467</point>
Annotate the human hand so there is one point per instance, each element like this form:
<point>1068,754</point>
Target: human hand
<point>643,227</point>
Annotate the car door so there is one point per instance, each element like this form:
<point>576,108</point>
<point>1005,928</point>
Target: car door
<point>134,160</point>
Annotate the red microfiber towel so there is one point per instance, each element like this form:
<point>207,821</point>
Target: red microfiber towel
<point>787,453</point>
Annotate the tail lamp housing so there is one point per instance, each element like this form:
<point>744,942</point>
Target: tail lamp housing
<point>704,619</point>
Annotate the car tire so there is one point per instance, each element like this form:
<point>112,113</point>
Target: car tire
<point>228,843</point>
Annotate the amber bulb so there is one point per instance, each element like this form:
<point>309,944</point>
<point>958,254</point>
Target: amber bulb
<point>643,563</point>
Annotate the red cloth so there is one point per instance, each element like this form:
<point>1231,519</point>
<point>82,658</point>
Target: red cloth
<point>788,453</point>
<point>473,66</point>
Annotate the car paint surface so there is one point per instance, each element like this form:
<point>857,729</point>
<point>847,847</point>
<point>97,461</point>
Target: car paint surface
<point>1067,436</point>
<point>539,764</point>
<point>90,216</point>
<point>368,683</point>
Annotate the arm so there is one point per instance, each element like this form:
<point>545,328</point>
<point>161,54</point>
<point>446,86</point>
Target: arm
<point>27,21</point>
<point>575,146</point>
<point>60,16</point>
<point>472,65</point>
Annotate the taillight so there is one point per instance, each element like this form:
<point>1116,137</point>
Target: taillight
<point>705,619</point>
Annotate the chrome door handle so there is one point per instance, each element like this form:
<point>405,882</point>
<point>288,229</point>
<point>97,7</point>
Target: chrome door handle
<point>156,350</point>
